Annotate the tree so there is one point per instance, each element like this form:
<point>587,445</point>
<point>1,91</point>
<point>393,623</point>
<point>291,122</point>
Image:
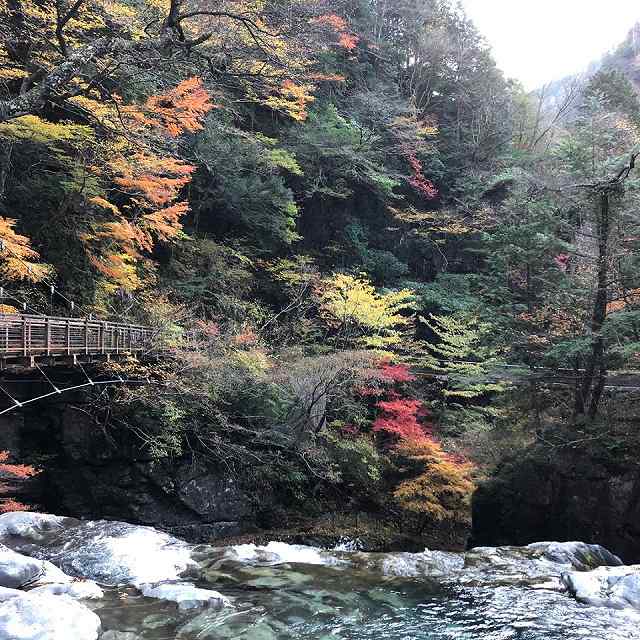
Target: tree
<point>357,313</point>
<point>441,486</point>
<point>17,257</point>
<point>65,48</point>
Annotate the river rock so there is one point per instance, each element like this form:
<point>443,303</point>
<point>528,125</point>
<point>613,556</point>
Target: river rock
<point>17,570</point>
<point>33,526</point>
<point>82,589</point>
<point>579,555</point>
<point>186,595</point>
<point>44,616</point>
<point>615,587</point>
<point>110,553</point>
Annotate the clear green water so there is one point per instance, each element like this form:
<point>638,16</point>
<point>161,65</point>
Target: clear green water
<point>350,602</point>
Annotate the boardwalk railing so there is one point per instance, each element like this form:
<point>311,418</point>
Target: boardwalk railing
<point>26,336</point>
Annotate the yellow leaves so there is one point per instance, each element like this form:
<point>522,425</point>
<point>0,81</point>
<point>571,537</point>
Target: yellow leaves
<point>120,268</point>
<point>35,129</point>
<point>17,257</point>
<point>7,308</point>
<point>292,99</point>
<point>8,73</point>
<point>105,204</point>
<point>254,361</point>
<point>442,487</point>
<point>106,113</point>
<point>353,304</point>
<point>426,223</point>
<point>284,160</point>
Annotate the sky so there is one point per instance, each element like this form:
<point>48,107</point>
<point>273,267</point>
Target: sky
<point>537,41</point>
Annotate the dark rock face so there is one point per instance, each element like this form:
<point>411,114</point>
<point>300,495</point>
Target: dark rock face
<point>567,498</point>
<point>208,506</point>
<point>90,473</point>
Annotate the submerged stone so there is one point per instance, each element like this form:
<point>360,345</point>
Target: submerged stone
<point>185,595</point>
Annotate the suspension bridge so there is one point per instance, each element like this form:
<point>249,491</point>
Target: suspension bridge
<point>38,342</point>
<point>28,339</point>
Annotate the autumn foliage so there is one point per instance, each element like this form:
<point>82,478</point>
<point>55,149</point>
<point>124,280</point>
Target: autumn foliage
<point>437,485</point>
<point>418,181</point>
<point>346,39</point>
<point>400,418</point>
<point>148,183</point>
<point>176,111</point>
<point>10,471</point>
<point>18,261</point>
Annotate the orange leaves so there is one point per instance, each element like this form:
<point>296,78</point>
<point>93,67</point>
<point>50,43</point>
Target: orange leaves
<point>165,223</point>
<point>632,297</point>
<point>150,184</point>
<point>332,20</point>
<point>441,488</point>
<point>346,39</point>
<point>177,111</point>
<point>17,257</point>
<point>153,180</point>
<point>120,268</point>
<point>418,181</point>
<point>16,470</point>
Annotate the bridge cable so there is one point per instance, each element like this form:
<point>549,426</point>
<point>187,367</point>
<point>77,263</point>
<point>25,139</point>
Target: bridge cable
<point>86,375</point>
<point>15,402</point>
<point>49,283</point>
<point>25,307</point>
<point>39,368</point>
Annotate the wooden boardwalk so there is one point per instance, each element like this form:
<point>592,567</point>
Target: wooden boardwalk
<point>25,338</point>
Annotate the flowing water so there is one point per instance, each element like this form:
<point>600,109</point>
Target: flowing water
<point>316,602</point>
<point>282,592</point>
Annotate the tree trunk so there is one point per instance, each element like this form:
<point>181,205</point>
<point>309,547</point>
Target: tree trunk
<point>593,381</point>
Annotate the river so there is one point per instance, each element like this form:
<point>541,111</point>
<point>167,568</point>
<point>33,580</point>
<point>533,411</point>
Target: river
<point>154,587</point>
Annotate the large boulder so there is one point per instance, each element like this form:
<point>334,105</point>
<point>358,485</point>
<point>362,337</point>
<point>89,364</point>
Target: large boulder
<point>44,616</point>
<point>111,553</point>
<point>17,570</point>
<point>616,587</point>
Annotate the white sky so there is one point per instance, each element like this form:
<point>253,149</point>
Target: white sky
<point>541,40</point>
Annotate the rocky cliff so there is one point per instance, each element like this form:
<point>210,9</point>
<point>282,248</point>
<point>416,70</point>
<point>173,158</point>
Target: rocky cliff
<point>565,497</point>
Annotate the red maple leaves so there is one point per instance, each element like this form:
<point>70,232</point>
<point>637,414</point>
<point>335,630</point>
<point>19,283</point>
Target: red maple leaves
<point>418,181</point>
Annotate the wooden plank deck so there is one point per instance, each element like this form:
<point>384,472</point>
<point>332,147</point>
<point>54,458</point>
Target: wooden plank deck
<point>26,337</point>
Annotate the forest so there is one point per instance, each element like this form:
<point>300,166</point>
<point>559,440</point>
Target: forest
<point>383,278</point>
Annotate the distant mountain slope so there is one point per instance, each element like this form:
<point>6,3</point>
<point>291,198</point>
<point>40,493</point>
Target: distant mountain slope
<point>626,57</point>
